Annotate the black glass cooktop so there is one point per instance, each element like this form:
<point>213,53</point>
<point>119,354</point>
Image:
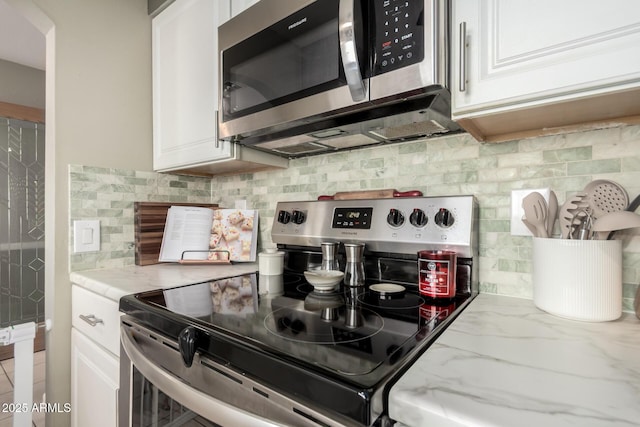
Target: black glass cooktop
<point>355,334</point>
<point>338,350</point>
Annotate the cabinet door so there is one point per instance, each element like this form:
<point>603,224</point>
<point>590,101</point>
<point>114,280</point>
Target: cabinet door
<point>536,52</point>
<point>94,383</point>
<point>185,86</point>
<point>97,317</point>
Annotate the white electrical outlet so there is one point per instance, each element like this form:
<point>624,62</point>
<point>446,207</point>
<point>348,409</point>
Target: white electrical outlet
<point>86,236</point>
<point>517,212</point>
<point>241,204</point>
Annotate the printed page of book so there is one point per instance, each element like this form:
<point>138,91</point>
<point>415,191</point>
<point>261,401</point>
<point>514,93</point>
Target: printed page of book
<point>187,228</point>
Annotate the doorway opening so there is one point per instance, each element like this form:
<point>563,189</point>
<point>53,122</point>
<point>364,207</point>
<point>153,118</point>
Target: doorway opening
<point>22,156</point>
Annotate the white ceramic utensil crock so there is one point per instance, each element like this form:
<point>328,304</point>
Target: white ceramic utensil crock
<point>578,279</point>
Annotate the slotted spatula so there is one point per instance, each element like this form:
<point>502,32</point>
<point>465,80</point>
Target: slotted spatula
<point>572,209</point>
<point>535,213</point>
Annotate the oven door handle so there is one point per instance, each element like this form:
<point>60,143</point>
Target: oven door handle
<point>349,51</point>
<point>199,402</point>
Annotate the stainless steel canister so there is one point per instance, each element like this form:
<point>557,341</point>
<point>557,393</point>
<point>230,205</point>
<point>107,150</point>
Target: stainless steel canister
<point>354,269</point>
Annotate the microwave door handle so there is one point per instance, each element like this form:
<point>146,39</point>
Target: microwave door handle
<point>349,52</point>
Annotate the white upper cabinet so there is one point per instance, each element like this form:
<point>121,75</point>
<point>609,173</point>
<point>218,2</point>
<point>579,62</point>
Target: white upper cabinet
<point>185,93</point>
<point>238,6</point>
<point>184,84</point>
<point>529,65</point>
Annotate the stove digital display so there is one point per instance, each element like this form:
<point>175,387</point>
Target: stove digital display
<point>359,218</point>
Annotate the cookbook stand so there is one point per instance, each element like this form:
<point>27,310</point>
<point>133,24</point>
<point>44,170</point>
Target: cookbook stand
<point>206,261</point>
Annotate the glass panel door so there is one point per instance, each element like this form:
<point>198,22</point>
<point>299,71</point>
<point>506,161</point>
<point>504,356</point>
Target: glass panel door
<point>22,149</point>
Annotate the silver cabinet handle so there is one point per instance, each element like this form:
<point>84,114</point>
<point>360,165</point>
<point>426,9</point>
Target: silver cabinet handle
<point>91,319</point>
<point>463,57</point>
<point>217,118</point>
<point>349,51</point>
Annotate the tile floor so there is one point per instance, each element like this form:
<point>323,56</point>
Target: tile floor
<point>6,388</point>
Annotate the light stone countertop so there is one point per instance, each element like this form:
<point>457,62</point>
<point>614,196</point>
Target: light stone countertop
<point>118,282</point>
<point>503,362</point>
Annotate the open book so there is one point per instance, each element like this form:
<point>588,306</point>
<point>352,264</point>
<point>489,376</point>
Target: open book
<point>195,233</point>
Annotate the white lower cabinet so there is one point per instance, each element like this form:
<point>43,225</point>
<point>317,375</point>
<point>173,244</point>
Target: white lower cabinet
<point>94,379</point>
<point>95,363</point>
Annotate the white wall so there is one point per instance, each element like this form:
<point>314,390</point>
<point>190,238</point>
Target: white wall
<point>21,85</point>
<point>98,113</point>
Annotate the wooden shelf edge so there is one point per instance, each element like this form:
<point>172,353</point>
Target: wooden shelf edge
<point>21,112</point>
<point>596,112</point>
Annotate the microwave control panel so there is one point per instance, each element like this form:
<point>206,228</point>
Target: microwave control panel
<point>399,34</point>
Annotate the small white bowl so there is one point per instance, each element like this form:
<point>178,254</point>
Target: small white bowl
<point>323,280</point>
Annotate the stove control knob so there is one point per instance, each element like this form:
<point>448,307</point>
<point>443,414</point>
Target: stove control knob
<point>298,217</point>
<point>395,218</point>
<point>444,218</point>
<point>284,217</point>
<point>418,218</point>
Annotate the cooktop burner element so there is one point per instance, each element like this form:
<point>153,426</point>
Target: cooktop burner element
<point>405,302</point>
<point>308,327</point>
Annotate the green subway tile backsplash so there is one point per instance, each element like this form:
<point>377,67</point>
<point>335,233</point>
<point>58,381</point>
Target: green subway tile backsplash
<point>108,195</point>
<point>448,165</point>
<point>594,166</point>
<point>567,155</point>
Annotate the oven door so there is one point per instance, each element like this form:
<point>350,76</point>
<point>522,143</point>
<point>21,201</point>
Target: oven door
<point>156,388</point>
<point>306,64</point>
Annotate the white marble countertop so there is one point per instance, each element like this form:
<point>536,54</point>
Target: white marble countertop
<point>503,362</point>
<point>116,283</point>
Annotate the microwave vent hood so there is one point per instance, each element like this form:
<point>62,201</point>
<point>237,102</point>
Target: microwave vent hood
<point>313,77</point>
<point>425,116</point>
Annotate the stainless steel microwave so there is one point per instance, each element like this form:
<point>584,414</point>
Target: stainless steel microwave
<point>307,77</point>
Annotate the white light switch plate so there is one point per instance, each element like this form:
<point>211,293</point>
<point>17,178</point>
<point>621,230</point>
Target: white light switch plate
<point>86,236</point>
<point>517,226</point>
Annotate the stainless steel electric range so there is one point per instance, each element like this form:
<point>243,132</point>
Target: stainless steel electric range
<point>233,354</point>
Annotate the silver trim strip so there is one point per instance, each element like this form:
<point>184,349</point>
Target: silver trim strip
<point>197,401</point>
<point>180,382</point>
